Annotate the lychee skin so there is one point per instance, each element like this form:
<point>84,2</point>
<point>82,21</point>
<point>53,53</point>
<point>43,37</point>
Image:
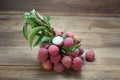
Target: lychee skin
<point>77,63</point>
<point>78,39</point>
<point>67,61</point>
<point>58,32</point>
<point>44,45</point>
<point>55,59</point>
<point>59,68</point>
<point>47,65</point>
<point>69,34</point>
<point>68,42</point>
<point>81,50</point>
<point>90,55</point>
<point>74,53</point>
<point>53,50</point>
<point>43,54</point>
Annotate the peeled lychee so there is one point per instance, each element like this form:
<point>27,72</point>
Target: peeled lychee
<point>55,59</point>
<point>58,32</point>
<point>58,40</point>
<point>69,34</point>
<point>81,50</point>
<point>78,39</point>
<point>67,61</point>
<point>59,67</point>
<point>44,45</point>
<point>74,53</point>
<point>47,65</point>
<point>77,63</point>
<point>53,50</point>
<point>90,55</point>
<point>68,42</point>
<point>43,54</point>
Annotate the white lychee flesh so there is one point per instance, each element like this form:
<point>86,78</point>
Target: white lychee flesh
<point>58,40</point>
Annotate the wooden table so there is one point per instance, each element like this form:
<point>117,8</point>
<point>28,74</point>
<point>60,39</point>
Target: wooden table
<point>102,34</point>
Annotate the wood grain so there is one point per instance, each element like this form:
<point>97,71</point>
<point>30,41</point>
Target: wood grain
<point>63,7</point>
<point>102,34</point>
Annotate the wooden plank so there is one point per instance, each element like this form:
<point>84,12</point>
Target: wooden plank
<point>91,72</point>
<point>102,34</point>
<point>63,7</point>
<point>12,23</point>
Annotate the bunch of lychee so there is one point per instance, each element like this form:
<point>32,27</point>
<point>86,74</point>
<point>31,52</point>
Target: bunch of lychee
<point>52,58</point>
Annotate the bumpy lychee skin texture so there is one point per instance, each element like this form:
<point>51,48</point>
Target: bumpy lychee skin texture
<point>69,34</point>
<point>58,32</point>
<point>78,39</point>
<point>58,40</point>
<point>47,65</point>
<point>81,50</point>
<point>74,53</point>
<point>59,68</point>
<point>43,54</point>
<point>53,50</point>
<point>68,42</point>
<point>77,63</point>
<point>44,45</point>
<point>67,61</point>
<point>55,59</point>
<point>90,55</point>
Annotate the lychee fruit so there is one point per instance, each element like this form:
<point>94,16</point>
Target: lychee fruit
<point>58,32</point>
<point>53,50</point>
<point>67,61</point>
<point>44,45</point>
<point>55,59</point>
<point>81,50</point>
<point>78,39</point>
<point>77,63</point>
<point>59,68</point>
<point>74,53</point>
<point>69,34</point>
<point>47,65</point>
<point>58,40</point>
<point>90,55</point>
<point>68,42</point>
<point>43,54</point>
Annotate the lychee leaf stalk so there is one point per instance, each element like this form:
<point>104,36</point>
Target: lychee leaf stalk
<point>38,24</point>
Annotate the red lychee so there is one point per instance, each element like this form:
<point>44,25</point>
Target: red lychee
<point>90,55</point>
<point>74,53</point>
<point>78,39</point>
<point>58,32</point>
<point>69,34</point>
<point>43,54</point>
<point>77,63</point>
<point>44,45</point>
<point>59,68</point>
<point>68,42</point>
<point>53,50</point>
<point>47,65</point>
<point>67,61</point>
<point>55,59</point>
<point>81,50</point>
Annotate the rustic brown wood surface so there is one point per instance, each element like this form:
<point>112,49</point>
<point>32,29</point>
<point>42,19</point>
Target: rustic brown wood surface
<point>102,34</point>
<point>63,7</point>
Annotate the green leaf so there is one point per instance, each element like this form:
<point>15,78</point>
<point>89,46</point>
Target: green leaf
<point>28,17</point>
<point>72,48</point>
<point>48,19</point>
<point>25,32</point>
<point>42,38</point>
<point>33,33</point>
<point>64,34</point>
